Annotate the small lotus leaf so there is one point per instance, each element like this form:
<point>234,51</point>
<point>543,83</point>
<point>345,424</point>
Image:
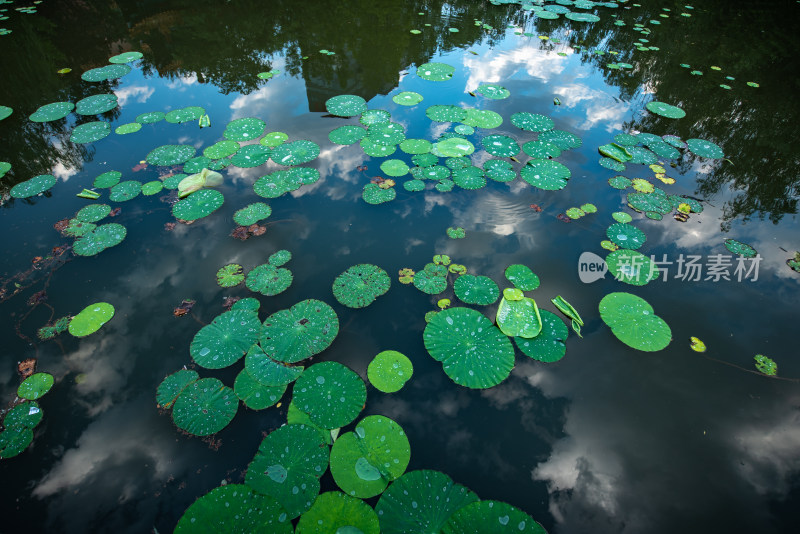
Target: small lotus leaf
<point>172,386</point>
<point>373,194</point>
<point>483,118</point>
<point>501,146</point>
<point>742,249</point>
<point>170,155</point>
<point>330,393</point>
<point>52,112</point>
<point>306,329</point>
<point>456,232</point>
<point>446,113</point>
<point>665,110</point>
<point>519,317</point>
<point>107,179</point>
<point>221,149</point>
<point>435,72</point>
<point>268,279</point>
<point>545,174</point>
<point>532,122</point>
<point>389,371</point>
<point>152,188</point>
<point>225,340</point>
<point>493,91</point>
<point>99,239</point>
<point>346,105</point>
<point>124,191</point>
<point>35,386</point>
<point>394,167</point>
<point>347,134</point>
<point>125,57</point>
<point>499,170</point>
<point>108,72</point>
<point>407,98</point>
<point>626,235</point>
<point>476,289</point>
<point>541,149</point>
<point>90,131</point>
<point>469,177</point>
<point>522,277</point>
<point>373,117</point>
<point>230,275</point>
<point>418,147</point>
<point>187,114</point>
<point>90,319</point>
<point>360,285</point>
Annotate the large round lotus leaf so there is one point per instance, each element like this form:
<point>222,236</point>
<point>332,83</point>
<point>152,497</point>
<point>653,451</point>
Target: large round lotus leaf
<point>252,213</point>
<point>90,132</point>
<point>522,277</point>
<point>519,318</point>
<point>14,440</point>
<point>742,249</point>
<point>394,167</point>
<point>501,146</point>
<point>305,329</point>
<point>631,267</point>
<point>373,194</point>
<point>96,104</point>
<point>474,353</point>
<point>634,322</point>
<point>52,112</point>
<point>205,407</point>
<point>225,340</point>
<point>230,275</point>
<point>545,174</point>
<point>234,508</point>
<point>187,114</point>
<point>499,170</point>
<point>446,113</point>
<point>375,149</point>
<point>560,138</point>
<point>337,513</point>
<point>431,281</point>
<point>346,105</point>
<point>330,393</point>
<point>34,186</point>
<point>35,386</point>
<point>172,386</point>
<point>99,239</point>
<point>269,280</point>
<point>492,517</point>
<point>493,91</point>
<point>388,133</point>
<point>435,72</point>
<point>125,57</point>
<point>469,178</point>
<point>198,205</point>
<point>665,110</point>
<point>295,153</point>
<point>107,179</point>
<point>375,116</point>
<point>288,465</point>
<point>705,149</point>
<point>360,285</point>
<point>407,98</point>
<point>532,122</point>
<point>389,371</point>
<point>550,344</point>
<point>170,155</point>
<point>125,191</point>
<point>364,461</point>
<point>582,17</point>
<point>476,289</point>
<point>421,501</point>
<point>244,129</point>
<point>482,118</point>
<point>267,371</point>
<point>626,236</point>
<point>25,415</point>
<point>255,395</point>
<point>90,319</point>
<point>150,117</point>
<point>221,149</point>
<point>347,134</point>
<point>453,147</point>
<point>109,72</point>
<point>251,156</point>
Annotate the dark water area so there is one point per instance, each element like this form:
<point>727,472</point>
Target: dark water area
<point>608,439</point>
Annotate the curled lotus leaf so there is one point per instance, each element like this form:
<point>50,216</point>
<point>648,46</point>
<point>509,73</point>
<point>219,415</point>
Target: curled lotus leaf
<point>225,340</point>
<point>195,182</point>
<point>519,317</point>
<point>330,393</point>
<point>204,407</point>
<point>616,152</point>
<point>360,285</point>
<point>305,329</point>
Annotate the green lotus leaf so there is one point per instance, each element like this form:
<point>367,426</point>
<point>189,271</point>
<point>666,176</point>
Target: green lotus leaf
<point>499,170</point>
<point>388,133</point>
<point>14,439</point>
<point>545,174</point>
<point>108,72</point>
<point>407,98</point>
<point>221,149</point>
<point>615,152</point>
<point>464,129</point>
<point>35,386</point>
<point>77,228</point>
<point>456,232</point>
<point>626,235</point>
<point>375,116</point>
<point>522,277</point>
<point>766,365</point>
<point>205,407</point>
<point>34,186</point>
<point>705,149</point>
<point>493,91</point>
<point>125,57</point>
<point>619,182</point>
<point>469,178</point>
<point>541,149</point>
<point>234,508</point>
<point>446,113</point>
<point>519,318</point>
<point>482,118</point>
<point>621,217</point>
<point>435,72</point>
<point>25,415</point>
<point>278,183</point>
<point>513,293</point>
<point>306,329</point>
<point>476,289</point>
<point>375,149</point>
<point>416,146</point>
<point>364,461</point>
<point>225,340</point>
<point>244,129</point>
<point>389,371</point>
<point>501,146</point>
<point>172,386</point>
<point>295,417</point>
<point>414,185</point>
<point>230,275</point>
<point>254,394</point>
<point>267,371</point>
<point>90,131</point>
<point>581,17</point>
<point>198,205</point>
<point>295,153</point>
<point>373,194</point>
<point>532,122</point>
<point>107,179</point>
<point>5,112</point>
<point>279,258</point>
<point>52,112</point>
<point>330,393</point>
<point>150,117</point>
<point>360,285</point>
<point>347,134</point>
<point>269,280</point>
<point>550,344</point>
<point>346,105</point>
<point>642,156</point>
<point>394,167</point>
<point>474,353</point>
<point>665,110</point>
<point>493,517</point>
<point>274,139</point>
<point>624,139</point>
<point>656,201</point>
<point>633,321</point>
<point>434,172</point>
<point>170,155</point>
<point>431,282</point>
<point>124,191</point>
<point>96,104</point>
<point>91,318</point>
<point>742,249</point>
<point>246,304</point>
<point>152,188</point>
<point>631,267</point>
<point>4,168</point>
<point>336,513</point>
<point>560,138</point>
<point>187,114</point>
<point>250,156</point>
<point>99,239</point>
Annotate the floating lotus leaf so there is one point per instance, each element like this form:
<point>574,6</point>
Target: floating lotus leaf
<point>205,407</point>
<point>642,186</point>
<point>246,304</point>
<point>346,105</point>
<point>387,133</point>
<point>23,415</point>
<point>626,236</point>
<point>482,118</point>
<point>542,14</point>
<point>230,275</point>
<point>624,139</point>
<point>360,285</point>
<point>170,155</point>
<point>474,353</point>
<point>560,138</point>
<point>347,134</point>
<point>99,239</point>
<point>453,147</point>
<point>306,329</point>
<point>414,185</point>
<point>417,146</point>
<point>492,516</point>
<point>541,149</point>
<point>435,72</point>
<point>705,149</point>
<point>633,321</point>
<point>615,152</point>
<point>14,440</point>
<point>90,132</point>
<point>364,461</point>
<point>129,128</point>
<point>269,280</point>
<point>35,386</point>
<point>557,9</point>
<point>394,167</point>
<point>631,267</point>
<point>255,395</point>
<point>96,104</point>
<point>575,213</point>
<point>519,317</point>
<point>295,417</point>
<point>407,98</point>
<point>93,212</point>
<point>499,170</point>
<point>456,232</point>
<point>550,344</point>
<point>5,111</point>
<point>621,217</point>
<point>234,508</point>
<point>663,150</point>
<point>766,365</point>
<point>446,113</point>
<point>493,91</point>
<point>545,174</point>
<point>642,156</point>
<point>4,168</point>
<point>91,318</point>
<point>52,112</point>
<point>274,139</point>
<point>278,183</point>
<point>108,72</point>
<point>522,277</point>
<point>225,340</point>
<point>295,153</point>
<point>198,205</point>
<point>532,122</point>
<point>476,289</point>
<point>742,249</point>
<point>373,194</point>
<point>125,57</point>
<point>434,172</point>
<point>187,114</point>
<point>619,182</point>
<point>464,129</point>
<point>373,117</point>
<point>389,371</point>
<point>656,201</point>
<point>279,258</point>
<point>173,181</point>
<point>221,149</point>
<point>330,393</point>
<point>267,371</point>
<point>244,129</point>
<point>336,513</point>
<point>582,17</point>
<point>501,146</point>
<point>696,344</point>
<point>469,178</point>
<point>150,117</point>
<point>125,191</point>
<point>251,156</point>
<point>172,386</point>
<point>665,110</point>
<point>34,186</point>
<point>431,281</point>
